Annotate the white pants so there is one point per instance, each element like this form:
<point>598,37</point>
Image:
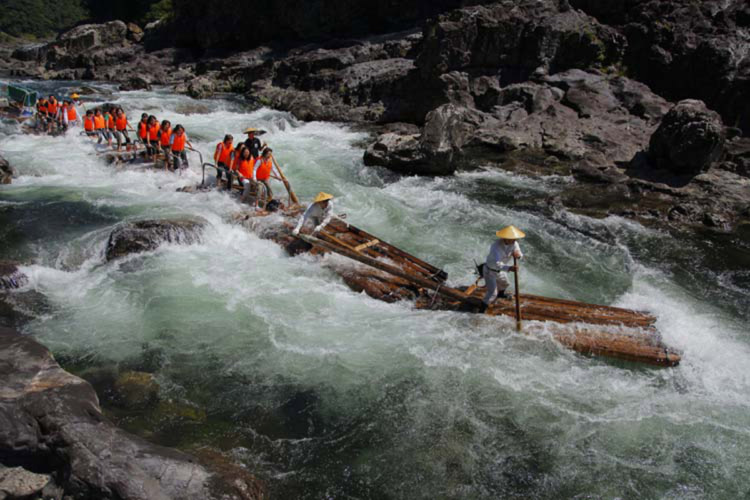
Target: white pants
<point>495,282</point>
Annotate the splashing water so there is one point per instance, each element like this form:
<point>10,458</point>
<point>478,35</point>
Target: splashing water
<point>327,393</point>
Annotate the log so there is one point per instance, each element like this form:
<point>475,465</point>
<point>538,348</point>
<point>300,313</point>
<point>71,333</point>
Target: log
<point>446,291</point>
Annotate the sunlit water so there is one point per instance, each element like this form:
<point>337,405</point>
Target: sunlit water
<point>326,393</point>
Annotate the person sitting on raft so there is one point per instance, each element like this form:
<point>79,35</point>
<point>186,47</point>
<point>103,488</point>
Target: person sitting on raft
<point>121,129</point>
<point>88,124</point>
<point>262,173</point>
<point>100,125</point>
<point>109,117</point>
<point>71,118</point>
<point>153,137</point>
<point>165,136</point>
<point>223,160</point>
<point>319,213</point>
<point>177,141</point>
<point>143,130</point>
<point>498,264</point>
<point>244,166</point>
<point>52,108</point>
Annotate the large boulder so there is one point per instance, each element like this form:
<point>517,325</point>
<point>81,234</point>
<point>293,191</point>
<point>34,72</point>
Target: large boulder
<point>51,420</point>
<point>517,42</point>
<point>689,139</point>
<point>90,36</point>
<point>10,276</point>
<point>7,172</point>
<point>146,235</point>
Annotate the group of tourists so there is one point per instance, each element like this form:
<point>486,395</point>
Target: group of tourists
<point>53,115</point>
<point>250,162</point>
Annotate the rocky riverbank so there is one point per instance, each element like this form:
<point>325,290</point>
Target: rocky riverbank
<point>554,87</point>
<point>58,443</point>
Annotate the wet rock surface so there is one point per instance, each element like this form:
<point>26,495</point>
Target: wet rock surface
<point>146,235</point>
<point>10,276</point>
<point>7,172</point>
<point>51,424</point>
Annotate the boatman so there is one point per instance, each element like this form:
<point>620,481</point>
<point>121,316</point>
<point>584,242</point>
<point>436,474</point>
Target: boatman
<point>319,213</point>
<point>499,262</point>
<point>253,143</point>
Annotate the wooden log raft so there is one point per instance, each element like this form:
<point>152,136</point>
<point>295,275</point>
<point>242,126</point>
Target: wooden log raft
<point>392,274</point>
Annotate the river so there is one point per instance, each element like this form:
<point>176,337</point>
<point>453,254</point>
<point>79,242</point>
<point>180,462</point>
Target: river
<point>326,393</point>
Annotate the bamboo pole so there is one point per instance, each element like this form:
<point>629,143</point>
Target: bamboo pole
<point>518,295</point>
<point>292,196</point>
<point>446,291</point>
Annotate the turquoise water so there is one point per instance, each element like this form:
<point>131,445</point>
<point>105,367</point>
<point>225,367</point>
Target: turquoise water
<point>326,393</point>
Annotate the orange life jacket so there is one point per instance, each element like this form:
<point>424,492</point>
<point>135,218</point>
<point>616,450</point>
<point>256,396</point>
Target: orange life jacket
<point>110,122</point>
<point>142,130</point>
<point>178,144</point>
<point>153,132</point>
<point>226,153</point>
<point>165,134</point>
<point>98,122</point>
<point>264,170</point>
<point>121,122</point>
<point>72,114</point>
<point>88,124</point>
<point>246,167</point>
<point>52,107</point>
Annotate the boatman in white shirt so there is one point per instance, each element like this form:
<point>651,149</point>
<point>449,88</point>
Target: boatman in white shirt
<point>319,213</point>
<point>499,262</point>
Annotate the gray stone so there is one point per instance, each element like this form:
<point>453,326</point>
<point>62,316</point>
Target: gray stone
<point>689,139</point>
<point>146,235</point>
<point>17,482</point>
<point>50,418</point>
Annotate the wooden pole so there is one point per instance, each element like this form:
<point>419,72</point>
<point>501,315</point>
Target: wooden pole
<point>518,296</point>
<point>292,196</point>
<point>439,288</point>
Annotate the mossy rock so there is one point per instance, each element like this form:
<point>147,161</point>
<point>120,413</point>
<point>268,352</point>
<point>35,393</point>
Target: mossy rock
<point>136,390</point>
<point>170,410</point>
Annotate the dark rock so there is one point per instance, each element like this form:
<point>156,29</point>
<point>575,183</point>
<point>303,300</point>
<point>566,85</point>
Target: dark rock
<point>7,172</point>
<point>50,421</point>
<point>689,139</point>
<point>135,33</point>
<point>10,276</point>
<point>136,83</point>
<point>200,88</point>
<point>142,236</point>
<point>517,41</point>
<point>136,390</point>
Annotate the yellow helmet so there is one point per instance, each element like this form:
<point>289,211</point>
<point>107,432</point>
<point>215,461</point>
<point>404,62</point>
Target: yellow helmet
<point>322,197</point>
<point>74,96</point>
<point>510,233</point>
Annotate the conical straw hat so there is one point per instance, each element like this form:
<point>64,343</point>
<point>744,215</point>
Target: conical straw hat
<point>510,233</point>
<point>322,197</point>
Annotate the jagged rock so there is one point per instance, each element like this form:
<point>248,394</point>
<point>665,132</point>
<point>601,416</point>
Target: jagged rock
<point>136,83</point>
<point>135,33</point>
<point>517,41</point>
<point>7,172</point>
<point>10,276</point>
<point>17,482</point>
<point>689,139</point>
<point>51,419</point>
<point>136,390</point>
<point>89,36</point>
<point>142,236</point>
<point>201,87</point>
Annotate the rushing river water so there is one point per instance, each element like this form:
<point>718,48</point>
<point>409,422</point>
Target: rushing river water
<point>326,393</point>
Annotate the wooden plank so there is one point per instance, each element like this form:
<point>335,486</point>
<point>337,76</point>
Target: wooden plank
<point>367,245</point>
